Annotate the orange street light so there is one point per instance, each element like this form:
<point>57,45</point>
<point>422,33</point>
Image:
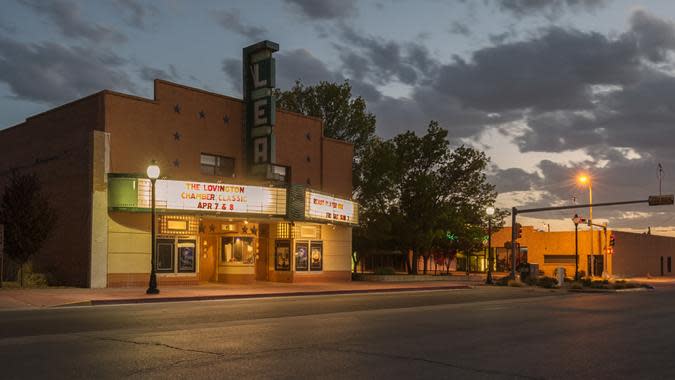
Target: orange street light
<point>585,179</point>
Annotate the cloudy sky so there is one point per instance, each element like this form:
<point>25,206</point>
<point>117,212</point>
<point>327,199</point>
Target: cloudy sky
<point>546,88</point>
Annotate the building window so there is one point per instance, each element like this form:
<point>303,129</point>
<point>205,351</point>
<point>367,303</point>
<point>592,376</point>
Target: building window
<point>165,253</point>
<point>215,165</point>
<point>301,256</point>
<point>172,257</point>
<point>316,256</point>
<point>186,256</point>
<point>282,255</point>
<point>237,250</point>
<point>308,256</point>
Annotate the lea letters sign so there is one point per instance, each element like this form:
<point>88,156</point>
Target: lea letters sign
<point>259,84</point>
<point>325,207</point>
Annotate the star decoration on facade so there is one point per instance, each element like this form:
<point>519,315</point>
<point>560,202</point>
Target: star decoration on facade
<point>244,229</point>
<point>226,119</point>
<point>202,115</point>
<point>201,228</point>
<point>254,230</point>
<point>176,163</point>
<point>212,228</point>
<point>176,108</point>
<point>176,136</point>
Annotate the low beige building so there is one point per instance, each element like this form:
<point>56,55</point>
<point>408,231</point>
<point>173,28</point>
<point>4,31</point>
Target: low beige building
<point>631,255</point>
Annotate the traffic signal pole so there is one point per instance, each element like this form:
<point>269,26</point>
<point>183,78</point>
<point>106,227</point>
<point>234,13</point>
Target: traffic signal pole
<point>514,238</point>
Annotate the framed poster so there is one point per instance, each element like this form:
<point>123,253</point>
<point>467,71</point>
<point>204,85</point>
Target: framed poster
<point>316,256</point>
<point>301,256</point>
<point>164,255</point>
<point>186,256</point>
<point>282,255</point>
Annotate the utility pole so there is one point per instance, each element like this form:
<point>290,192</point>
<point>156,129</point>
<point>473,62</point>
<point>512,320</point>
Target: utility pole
<point>514,238</point>
<point>659,175</point>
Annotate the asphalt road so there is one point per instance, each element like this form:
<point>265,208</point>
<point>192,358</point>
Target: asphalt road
<point>480,333</point>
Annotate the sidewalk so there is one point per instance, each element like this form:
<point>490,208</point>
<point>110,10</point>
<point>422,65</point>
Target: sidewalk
<point>49,297</point>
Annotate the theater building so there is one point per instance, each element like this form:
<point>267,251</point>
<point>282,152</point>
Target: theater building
<point>630,254</point>
<point>246,192</point>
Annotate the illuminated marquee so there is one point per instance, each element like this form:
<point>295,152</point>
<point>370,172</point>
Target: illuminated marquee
<point>326,207</point>
<point>213,197</point>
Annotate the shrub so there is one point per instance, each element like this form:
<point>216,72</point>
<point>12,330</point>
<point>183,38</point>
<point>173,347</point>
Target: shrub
<point>35,280</point>
<point>531,281</point>
<point>576,285</point>
<point>503,281</point>
<point>547,282</point>
<point>515,284</point>
<point>586,281</point>
<point>598,284</point>
<point>385,271</point>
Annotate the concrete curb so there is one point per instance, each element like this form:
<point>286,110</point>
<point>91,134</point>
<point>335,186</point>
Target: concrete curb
<point>126,301</point>
<point>609,290</point>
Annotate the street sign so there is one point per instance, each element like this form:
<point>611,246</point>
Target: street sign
<point>661,200</point>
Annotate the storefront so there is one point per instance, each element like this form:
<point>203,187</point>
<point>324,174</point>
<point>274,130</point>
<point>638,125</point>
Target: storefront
<point>231,233</point>
<point>246,192</point>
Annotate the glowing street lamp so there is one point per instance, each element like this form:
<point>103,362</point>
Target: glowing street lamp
<point>585,179</point>
<point>153,174</point>
<point>490,211</point>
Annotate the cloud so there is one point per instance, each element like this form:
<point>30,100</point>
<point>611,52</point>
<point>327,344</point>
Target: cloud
<point>137,12</point>
<point>300,64</point>
<point>513,179</point>
<point>551,9</point>
<point>71,23</point>
<point>381,61</point>
<point>458,27</point>
<point>654,36</point>
<point>232,69</point>
<point>324,9</point>
<point>52,73</point>
<point>151,73</point>
<point>552,71</point>
<point>231,21</point>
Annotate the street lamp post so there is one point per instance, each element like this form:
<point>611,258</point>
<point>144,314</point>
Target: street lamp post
<point>576,221</point>
<point>586,179</point>
<point>490,211</point>
<point>153,174</point>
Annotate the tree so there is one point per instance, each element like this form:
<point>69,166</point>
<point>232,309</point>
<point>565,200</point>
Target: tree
<point>419,189</point>
<point>375,197</point>
<point>344,116</point>
<point>27,216</point>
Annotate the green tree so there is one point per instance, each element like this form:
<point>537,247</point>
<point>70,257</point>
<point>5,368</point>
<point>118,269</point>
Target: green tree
<point>28,218</point>
<point>344,116</point>
<point>417,189</point>
<point>376,196</point>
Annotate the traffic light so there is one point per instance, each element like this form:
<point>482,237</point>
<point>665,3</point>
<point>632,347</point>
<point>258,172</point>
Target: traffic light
<point>612,241</point>
<point>519,228</point>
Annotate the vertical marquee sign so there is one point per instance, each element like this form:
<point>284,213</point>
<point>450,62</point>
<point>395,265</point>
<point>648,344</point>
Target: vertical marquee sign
<point>259,82</point>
